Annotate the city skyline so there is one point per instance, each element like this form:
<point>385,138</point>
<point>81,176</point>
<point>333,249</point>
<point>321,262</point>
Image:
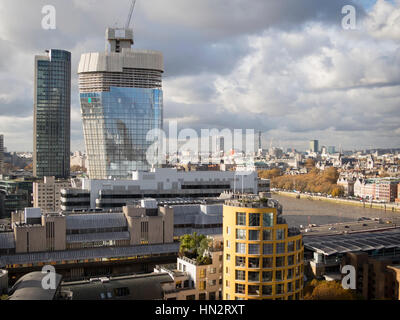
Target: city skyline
<point>215,59</point>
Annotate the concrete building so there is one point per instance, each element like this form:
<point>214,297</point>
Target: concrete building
<point>52,114</point>
<point>133,239</point>
<point>382,189</point>
<point>325,252</point>
<point>347,184</point>
<point>121,101</point>
<point>160,183</point>
<point>263,258</point>
<point>205,279</point>
<point>79,159</point>
<point>375,277</point>
<point>166,282</point>
<point>47,194</point>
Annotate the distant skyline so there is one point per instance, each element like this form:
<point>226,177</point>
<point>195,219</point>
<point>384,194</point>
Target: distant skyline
<point>286,68</point>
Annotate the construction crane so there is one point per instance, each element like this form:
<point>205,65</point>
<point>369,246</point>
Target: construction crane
<point>128,22</point>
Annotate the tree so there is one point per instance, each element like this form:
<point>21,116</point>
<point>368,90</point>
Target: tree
<point>310,163</point>
<point>327,290</point>
<point>194,246</point>
<point>269,174</point>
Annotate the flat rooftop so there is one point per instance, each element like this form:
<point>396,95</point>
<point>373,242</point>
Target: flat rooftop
<point>354,242</point>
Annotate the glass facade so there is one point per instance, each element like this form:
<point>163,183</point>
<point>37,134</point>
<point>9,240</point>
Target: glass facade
<point>115,124</point>
<point>52,114</point>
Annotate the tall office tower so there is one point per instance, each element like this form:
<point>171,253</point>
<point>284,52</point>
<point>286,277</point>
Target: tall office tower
<point>314,146</point>
<point>263,258</point>
<point>1,153</point>
<point>52,114</point>
<point>331,149</point>
<point>121,101</point>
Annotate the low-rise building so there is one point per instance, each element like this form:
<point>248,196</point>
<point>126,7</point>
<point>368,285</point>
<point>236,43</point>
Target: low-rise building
<point>164,183</point>
<point>47,193</point>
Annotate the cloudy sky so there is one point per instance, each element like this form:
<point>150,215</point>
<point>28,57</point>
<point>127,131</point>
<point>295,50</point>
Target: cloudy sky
<point>283,67</point>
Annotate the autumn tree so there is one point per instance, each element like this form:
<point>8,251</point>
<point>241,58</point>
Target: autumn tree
<point>310,163</point>
<point>269,174</point>
<point>327,290</point>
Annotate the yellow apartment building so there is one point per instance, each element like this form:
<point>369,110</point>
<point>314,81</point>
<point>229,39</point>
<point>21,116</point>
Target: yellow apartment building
<point>263,257</point>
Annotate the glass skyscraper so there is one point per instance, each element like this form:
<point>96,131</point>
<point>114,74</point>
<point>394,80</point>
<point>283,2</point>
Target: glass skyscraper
<point>52,114</point>
<point>121,100</point>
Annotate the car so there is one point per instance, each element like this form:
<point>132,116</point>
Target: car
<point>346,227</point>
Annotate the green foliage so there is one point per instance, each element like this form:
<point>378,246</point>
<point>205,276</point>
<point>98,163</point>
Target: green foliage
<point>194,245</point>
<point>327,290</point>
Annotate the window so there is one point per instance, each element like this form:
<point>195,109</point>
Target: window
<point>121,292</point>
<point>290,273</point>
<point>211,296</point>
<point>254,262</point>
<point>254,219</point>
<point>228,244</point>
<point>267,235</point>
<point>240,275</point>
<point>280,234</point>
<point>268,219</point>
<point>202,273</point>
<point>279,288</point>
<point>267,276</point>
<point>254,235</point>
<point>253,290</point>
<point>191,297</point>
<point>290,246</point>
<point>228,257</point>
<point>253,276</point>
<point>254,249</point>
<point>290,287</point>
<point>278,275</point>
<point>241,234</point>
<point>228,230</point>
<point>280,262</point>
<point>202,285</point>
<point>240,248</point>
<point>290,260</point>
<point>280,247</point>
<point>240,262</point>
<point>267,263</point>
<point>268,248</point>
<point>267,290</point>
<point>240,218</point>
<point>202,296</point>
<point>239,288</point>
